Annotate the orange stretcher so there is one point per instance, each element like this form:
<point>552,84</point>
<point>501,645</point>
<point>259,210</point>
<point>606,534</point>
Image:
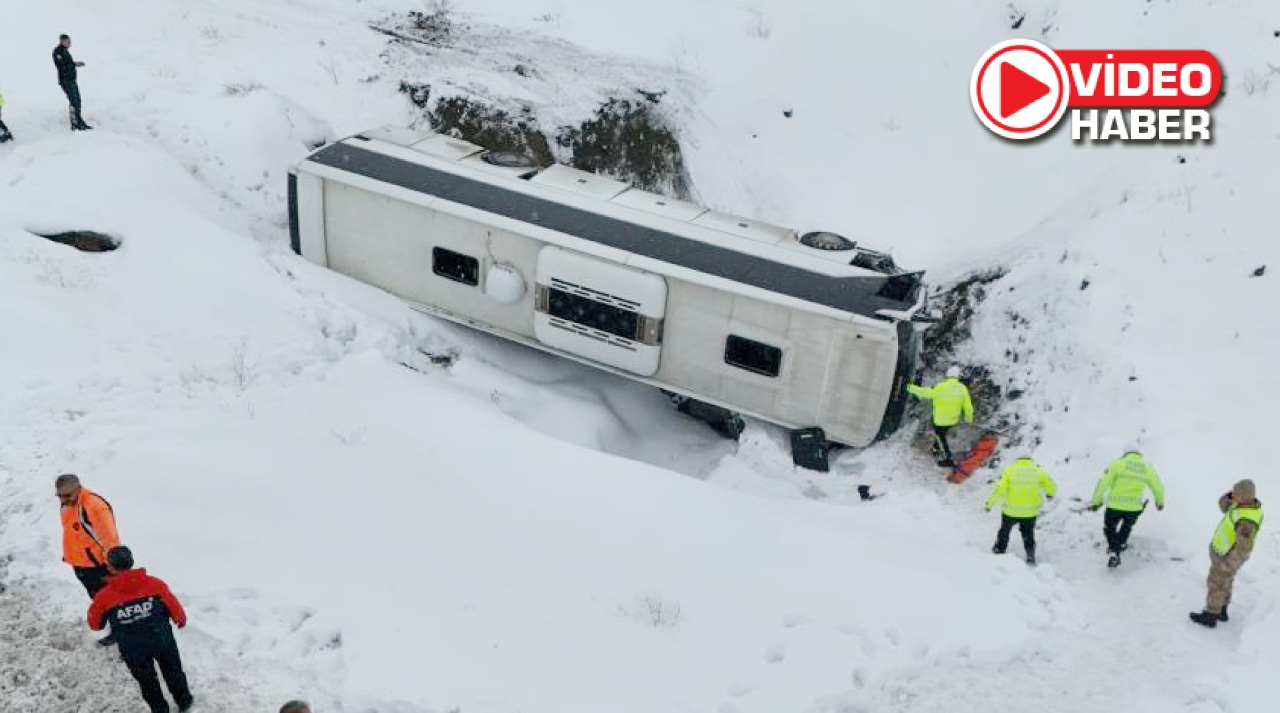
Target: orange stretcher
<point>981,451</point>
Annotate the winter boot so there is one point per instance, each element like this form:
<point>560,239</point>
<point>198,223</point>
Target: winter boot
<point>1205,618</point>
<point>1114,560</point>
<point>1031,557</point>
<point>997,550</point>
<point>1223,615</point>
<point>77,123</point>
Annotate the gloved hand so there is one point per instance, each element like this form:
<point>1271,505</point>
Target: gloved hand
<point>1094,508</point>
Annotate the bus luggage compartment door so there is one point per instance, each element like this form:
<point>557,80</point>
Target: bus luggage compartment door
<point>600,310</point>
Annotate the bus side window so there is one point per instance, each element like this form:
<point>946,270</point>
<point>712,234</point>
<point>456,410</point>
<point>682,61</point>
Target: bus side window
<point>753,356</point>
<point>455,266</point>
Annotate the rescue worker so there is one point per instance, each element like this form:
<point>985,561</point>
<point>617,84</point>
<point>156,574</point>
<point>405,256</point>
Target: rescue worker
<point>1123,483</point>
<point>1230,548</point>
<point>139,608</point>
<point>1020,487</point>
<point>5,134</point>
<point>295,707</point>
<point>66,65</point>
<point>951,402</point>
<point>88,533</point>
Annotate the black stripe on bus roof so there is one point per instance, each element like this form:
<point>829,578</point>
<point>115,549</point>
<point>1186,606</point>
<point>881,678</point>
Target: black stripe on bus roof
<point>862,295</point>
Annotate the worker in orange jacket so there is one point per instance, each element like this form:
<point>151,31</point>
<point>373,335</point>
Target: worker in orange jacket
<point>88,533</point>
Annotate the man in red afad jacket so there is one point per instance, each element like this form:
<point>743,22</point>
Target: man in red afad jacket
<point>139,607</point>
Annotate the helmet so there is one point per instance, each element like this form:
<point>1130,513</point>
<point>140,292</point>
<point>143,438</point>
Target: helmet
<point>953,372</point>
<point>1132,447</point>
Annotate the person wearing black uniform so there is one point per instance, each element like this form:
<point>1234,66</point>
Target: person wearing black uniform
<point>66,65</point>
<point>139,608</point>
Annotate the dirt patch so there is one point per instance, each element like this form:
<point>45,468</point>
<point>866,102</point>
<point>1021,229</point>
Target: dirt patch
<point>956,306</point>
<point>85,240</point>
<point>492,128</point>
<point>434,28</point>
<point>628,140</point>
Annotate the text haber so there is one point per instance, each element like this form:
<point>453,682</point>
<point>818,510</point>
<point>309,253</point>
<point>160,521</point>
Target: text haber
<point>1146,94</point>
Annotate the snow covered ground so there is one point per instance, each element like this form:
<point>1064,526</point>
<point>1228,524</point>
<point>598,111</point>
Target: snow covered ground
<point>349,523</point>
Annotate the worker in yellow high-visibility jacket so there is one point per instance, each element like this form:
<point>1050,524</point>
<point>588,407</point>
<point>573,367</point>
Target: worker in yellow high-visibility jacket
<point>1020,487</point>
<point>951,402</point>
<point>1123,485</point>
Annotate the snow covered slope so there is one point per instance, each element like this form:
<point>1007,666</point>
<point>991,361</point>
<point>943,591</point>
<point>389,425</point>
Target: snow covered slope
<point>515,533</point>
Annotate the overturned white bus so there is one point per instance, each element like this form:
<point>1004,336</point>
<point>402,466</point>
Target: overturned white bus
<point>806,330</point>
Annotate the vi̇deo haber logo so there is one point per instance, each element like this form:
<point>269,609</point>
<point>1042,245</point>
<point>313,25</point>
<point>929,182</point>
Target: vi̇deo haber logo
<point>1021,89</point>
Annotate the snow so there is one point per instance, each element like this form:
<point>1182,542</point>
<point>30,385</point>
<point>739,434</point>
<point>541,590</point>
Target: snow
<point>350,523</point>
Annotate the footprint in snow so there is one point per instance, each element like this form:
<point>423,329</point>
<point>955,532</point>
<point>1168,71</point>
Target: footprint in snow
<point>775,653</point>
<point>737,689</point>
<point>791,621</point>
<point>864,639</point>
<point>893,637</point>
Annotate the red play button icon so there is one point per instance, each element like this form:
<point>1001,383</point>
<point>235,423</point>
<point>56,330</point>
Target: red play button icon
<point>1018,90</point>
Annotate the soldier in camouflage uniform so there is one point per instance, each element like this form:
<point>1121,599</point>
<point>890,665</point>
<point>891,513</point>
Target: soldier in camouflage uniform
<point>1232,544</point>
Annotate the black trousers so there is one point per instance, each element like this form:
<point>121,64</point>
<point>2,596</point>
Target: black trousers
<point>72,90</point>
<point>92,578</point>
<point>3,129</point>
<point>1116,525</point>
<point>940,433</point>
<point>143,667</point>
<point>1026,526</point>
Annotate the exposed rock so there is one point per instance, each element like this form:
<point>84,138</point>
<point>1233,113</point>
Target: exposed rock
<point>956,305</point>
<point>435,29</point>
<point>625,139</point>
<point>494,129</point>
<point>85,240</point>
<point>629,141</point>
